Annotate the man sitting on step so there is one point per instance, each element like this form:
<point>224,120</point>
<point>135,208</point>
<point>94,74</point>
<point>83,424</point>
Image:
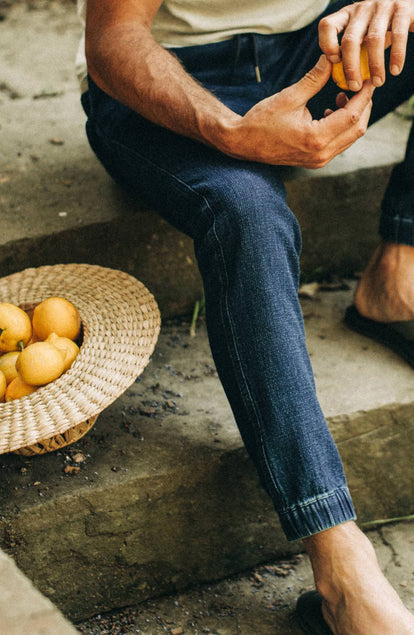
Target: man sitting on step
<point>192,107</point>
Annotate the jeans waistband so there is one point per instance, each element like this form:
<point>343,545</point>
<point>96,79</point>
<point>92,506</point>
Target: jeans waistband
<point>237,60</point>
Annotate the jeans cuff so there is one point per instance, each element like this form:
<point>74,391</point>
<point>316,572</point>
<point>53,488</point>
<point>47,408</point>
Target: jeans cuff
<point>397,229</point>
<point>317,514</point>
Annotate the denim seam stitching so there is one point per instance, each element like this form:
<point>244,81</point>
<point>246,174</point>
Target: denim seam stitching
<point>315,499</point>
<point>238,357</point>
<point>246,392</point>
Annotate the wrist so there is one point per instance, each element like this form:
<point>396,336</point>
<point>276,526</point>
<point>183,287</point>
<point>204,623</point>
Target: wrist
<point>224,134</point>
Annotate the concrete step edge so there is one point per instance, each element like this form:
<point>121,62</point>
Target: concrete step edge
<point>23,609</point>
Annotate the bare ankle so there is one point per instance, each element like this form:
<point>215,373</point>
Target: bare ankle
<point>330,552</point>
<point>385,290</point>
<point>356,596</point>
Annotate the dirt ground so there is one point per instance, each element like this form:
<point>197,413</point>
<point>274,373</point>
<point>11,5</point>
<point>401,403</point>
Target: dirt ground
<point>261,601</point>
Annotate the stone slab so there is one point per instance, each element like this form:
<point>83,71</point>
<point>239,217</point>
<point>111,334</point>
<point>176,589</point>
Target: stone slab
<point>167,497</point>
<point>23,610</point>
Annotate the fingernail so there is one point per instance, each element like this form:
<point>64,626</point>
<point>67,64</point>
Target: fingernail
<point>377,81</point>
<point>353,85</point>
<point>335,59</point>
<point>395,69</point>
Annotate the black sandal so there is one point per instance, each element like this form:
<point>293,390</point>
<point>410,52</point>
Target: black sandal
<point>398,336</point>
<point>309,614</point>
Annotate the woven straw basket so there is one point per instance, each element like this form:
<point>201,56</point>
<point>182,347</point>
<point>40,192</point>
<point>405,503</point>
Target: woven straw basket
<point>120,326</point>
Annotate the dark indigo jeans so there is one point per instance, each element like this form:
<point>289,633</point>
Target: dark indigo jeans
<point>247,243</point>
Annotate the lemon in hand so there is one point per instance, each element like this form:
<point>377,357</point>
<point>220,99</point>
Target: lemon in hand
<point>338,74</point>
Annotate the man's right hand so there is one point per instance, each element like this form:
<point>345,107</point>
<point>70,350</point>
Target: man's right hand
<point>280,130</point>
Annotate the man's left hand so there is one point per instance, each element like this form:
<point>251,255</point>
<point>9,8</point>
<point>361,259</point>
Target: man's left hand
<point>378,23</point>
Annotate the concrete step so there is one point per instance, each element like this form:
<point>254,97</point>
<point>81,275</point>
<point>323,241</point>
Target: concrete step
<point>167,497</point>
<point>23,610</point>
<point>260,601</point>
<point>58,204</point>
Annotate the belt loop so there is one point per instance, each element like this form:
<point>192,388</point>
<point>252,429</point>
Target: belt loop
<point>236,56</point>
<point>256,58</point>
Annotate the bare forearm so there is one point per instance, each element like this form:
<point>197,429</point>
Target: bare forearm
<point>126,62</point>
<point>130,66</point>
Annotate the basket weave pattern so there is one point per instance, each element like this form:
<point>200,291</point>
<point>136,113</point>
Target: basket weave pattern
<point>120,321</point>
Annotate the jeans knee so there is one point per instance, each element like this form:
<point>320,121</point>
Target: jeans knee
<point>248,212</point>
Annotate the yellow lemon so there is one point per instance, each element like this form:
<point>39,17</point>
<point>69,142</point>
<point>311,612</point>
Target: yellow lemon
<point>15,328</point>
<point>3,385</point>
<point>56,315</point>
<point>8,365</point>
<point>69,347</point>
<point>18,388</point>
<point>40,363</point>
<point>338,74</point>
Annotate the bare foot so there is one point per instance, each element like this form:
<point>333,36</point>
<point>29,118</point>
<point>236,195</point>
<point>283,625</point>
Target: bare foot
<point>357,598</point>
<point>386,289</point>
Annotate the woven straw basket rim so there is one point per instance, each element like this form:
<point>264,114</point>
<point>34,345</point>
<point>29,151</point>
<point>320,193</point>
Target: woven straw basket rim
<point>121,323</point>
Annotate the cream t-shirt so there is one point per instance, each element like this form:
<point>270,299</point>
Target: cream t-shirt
<point>192,22</point>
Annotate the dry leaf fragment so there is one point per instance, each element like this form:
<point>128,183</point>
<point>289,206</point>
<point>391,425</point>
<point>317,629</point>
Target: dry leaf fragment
<point>335,285</point>
<point>278,571</point>
<point>71,469</point>
<point>257,579</point>
<point>78,458</point>
<point>309,290</point>
<point>56,142</point>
